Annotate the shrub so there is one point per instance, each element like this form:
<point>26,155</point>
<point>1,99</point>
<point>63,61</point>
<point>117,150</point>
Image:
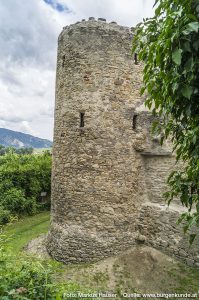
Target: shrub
<point>14,200</point>
<point>25,277</point>
<point>22,179</point>
<point>4,215</point>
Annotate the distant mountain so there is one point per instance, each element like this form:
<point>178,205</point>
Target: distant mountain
<point>10,138</point>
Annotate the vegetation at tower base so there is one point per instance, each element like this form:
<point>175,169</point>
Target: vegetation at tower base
<point>168,44</point>
<point>22,179</point>
<point>140,269</point>
<point>27,277</point>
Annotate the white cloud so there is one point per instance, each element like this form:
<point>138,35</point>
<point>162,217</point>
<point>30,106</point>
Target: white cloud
<point>125,12</point>
<point>28,42</point>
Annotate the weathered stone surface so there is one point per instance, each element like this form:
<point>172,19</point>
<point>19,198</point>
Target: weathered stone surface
<point>158,224</point>
<point>102,19</point>
<point>106,163</point>
<point>37,247</point>
<point>95,167</point>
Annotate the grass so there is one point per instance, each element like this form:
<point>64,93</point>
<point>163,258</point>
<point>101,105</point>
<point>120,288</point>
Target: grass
<point>186,277</point>
<point>27,228</point>
<point>17,235</point>
<point>179,278</point>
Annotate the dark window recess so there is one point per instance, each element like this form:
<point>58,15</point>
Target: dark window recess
<point>63,60</point>
<point>135,121</point>
<point>136,58</point>
<point>82,119</point>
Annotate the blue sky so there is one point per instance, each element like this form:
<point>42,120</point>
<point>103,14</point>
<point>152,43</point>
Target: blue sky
<point>56,5</point>
<point>28,46</point>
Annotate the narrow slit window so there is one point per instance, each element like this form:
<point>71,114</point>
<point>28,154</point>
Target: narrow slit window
<point>135,122</point>
<point>63,60</point>
<point>136,58</point>
<point>82,114</point>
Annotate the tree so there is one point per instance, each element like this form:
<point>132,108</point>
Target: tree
<point>22,179</point>
<point>168,44</point>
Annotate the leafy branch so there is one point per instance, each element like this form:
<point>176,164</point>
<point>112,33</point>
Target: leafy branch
<point>168,44</point>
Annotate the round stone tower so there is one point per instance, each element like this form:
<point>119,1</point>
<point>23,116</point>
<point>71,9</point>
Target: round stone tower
<point>95,167</point>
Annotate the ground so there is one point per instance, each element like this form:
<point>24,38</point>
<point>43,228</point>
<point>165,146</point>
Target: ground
<point>140,269</point>
<point>21,232</point>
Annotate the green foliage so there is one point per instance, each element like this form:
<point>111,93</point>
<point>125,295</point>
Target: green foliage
<point>23,277</point>
<point>28,278</point>
<point>14,200</point>
<point>22,179</point>
<point>168,44</point>
<point>4,215</point>
<point>21,151</point>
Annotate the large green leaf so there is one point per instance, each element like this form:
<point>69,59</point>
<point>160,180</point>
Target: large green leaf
<point>187,91</point>
<point>177,56</point>
<point>191,27</point>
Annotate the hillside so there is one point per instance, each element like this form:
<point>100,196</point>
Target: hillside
<point>10,138</point>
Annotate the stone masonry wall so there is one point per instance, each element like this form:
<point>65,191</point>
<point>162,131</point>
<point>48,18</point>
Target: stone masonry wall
<point>157,226</point>
<point>109,170</point>
<point>95,168</point>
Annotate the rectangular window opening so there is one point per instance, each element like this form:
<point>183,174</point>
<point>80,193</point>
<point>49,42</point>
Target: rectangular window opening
<point>136,58</point>
<point>135,121</point>
<point>82,119</point>
<point>63,60</point>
